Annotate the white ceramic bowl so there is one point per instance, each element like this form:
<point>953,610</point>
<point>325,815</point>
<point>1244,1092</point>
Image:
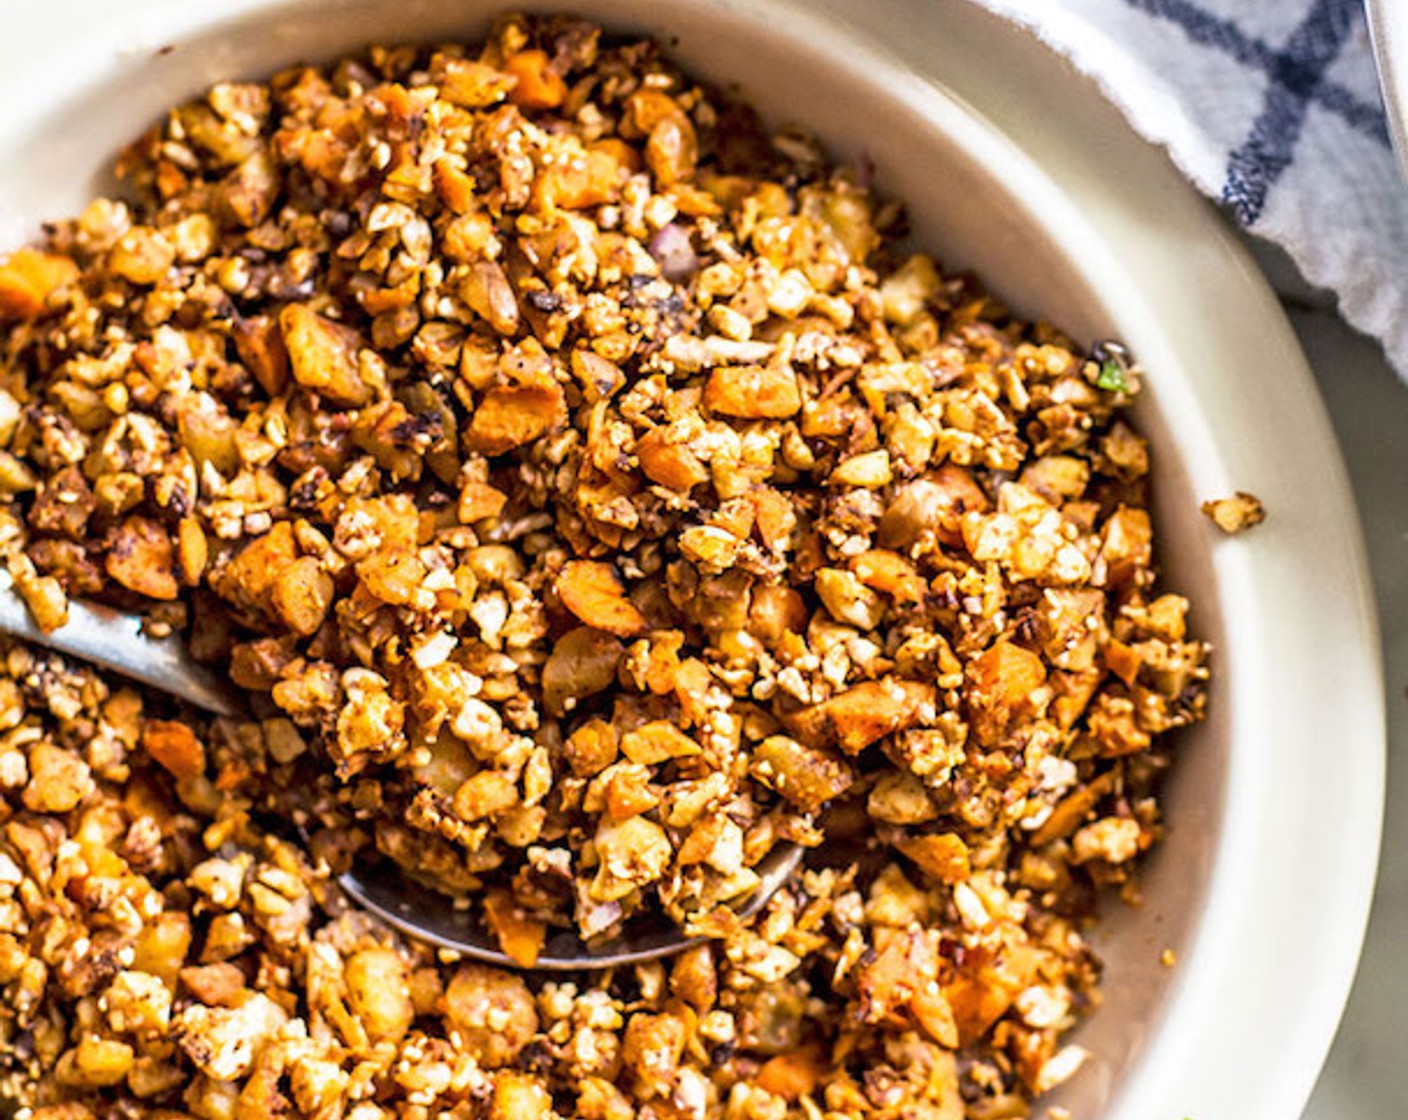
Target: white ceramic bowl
<point>1263,885</point>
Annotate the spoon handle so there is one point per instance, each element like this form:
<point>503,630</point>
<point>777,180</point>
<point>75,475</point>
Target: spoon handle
<point>115,640</point>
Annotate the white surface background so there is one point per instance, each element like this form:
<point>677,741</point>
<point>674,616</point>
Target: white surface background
<point>1366,1077</point>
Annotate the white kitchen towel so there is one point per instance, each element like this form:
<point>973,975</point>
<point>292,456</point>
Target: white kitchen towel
<point>1272,108</point>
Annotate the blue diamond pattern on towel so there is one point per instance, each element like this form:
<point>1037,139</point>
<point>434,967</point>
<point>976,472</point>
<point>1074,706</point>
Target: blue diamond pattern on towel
<point>1271,108</point>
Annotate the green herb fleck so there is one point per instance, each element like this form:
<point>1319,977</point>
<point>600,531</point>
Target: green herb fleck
<point>1112,377</point>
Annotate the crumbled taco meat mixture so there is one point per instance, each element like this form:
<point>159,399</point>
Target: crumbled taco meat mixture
<point>591,495</point>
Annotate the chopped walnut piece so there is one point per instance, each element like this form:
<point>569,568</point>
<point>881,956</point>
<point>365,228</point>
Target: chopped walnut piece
<point>58,780</point>
<point>43,595</point>
<point>1113,839</point>
<point>142,559</point>
<point>651,1050</point>
<point>379,994</point>
<point>582,664</point>
<point>493,1010</point>
<point>323,356</point>
<point>632,853</point>
<point>520,1096</point>
<point>808,777</point>
<point>260,345</point>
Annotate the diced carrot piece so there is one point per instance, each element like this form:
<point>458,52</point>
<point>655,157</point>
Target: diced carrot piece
<point>692,680</point>
<point>862,715</point>
<point>941,855</point>
<point>775,516</point>
<point>513,415</point>
<point>588,179</point>
<point>934,1015</point>
<point>470,84</point>
<point>539,86</point>
<point>981,994</point>
<point>175,747</point>
<point>593,592</point>
<point>793,1075</point>
<point>647,107</point>
<point>1073,809</point>
<point>753,392</point>
<point>455,187</point>
<point>657,741</point>
<point>621,153</point>
<point>1003,678</point>
<point>1122,660</point>
<point>672,151</point>
<point>591,748</point>
<point>215,985</point>
<point>669,464</point>
<point>479,500</point>
<point>890,573</point>
<point>629,794</point>
<point>520,935</point>
<point>28,277</point>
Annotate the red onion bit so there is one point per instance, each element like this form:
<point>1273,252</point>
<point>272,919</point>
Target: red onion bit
<point>672,249</point>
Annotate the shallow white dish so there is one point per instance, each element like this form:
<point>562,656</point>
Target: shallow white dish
<point>1263,885</point>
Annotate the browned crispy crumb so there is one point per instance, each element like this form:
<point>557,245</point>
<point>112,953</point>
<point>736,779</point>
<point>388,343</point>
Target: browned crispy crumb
<point>592,495</point>
<point>1237,513</point>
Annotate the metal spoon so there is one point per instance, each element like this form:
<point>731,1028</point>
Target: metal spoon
<point>116,641</point>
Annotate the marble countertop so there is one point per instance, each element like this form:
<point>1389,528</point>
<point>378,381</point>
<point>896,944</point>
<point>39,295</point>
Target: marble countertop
<point>1366,1076</point>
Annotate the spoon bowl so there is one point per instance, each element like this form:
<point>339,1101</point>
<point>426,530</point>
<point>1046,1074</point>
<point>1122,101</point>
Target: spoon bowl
<point>113,640</point>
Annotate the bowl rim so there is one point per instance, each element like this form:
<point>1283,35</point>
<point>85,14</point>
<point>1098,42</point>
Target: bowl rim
<point>1232,936</point>
<point>1388,30</point>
